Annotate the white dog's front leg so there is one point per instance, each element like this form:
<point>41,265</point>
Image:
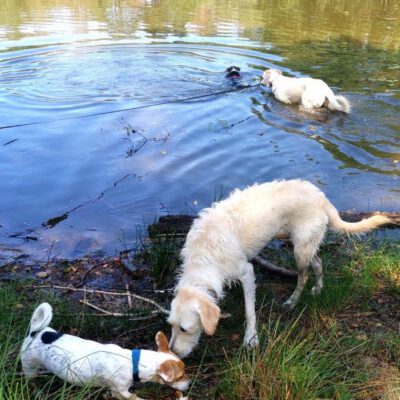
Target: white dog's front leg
<point>282,97</point>
<point>249,290</point>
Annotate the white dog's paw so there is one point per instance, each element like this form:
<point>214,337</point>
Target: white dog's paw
<point>251,340</point>
<point>316,290</point>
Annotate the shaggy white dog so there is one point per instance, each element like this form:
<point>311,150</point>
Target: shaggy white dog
<point>226,236</point>
<point>81,361</point>
<point>310,93</point>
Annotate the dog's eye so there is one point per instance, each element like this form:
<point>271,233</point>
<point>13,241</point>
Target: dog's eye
<point>182,329</point>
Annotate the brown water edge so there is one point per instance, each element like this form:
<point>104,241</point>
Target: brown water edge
<point>130,268</point>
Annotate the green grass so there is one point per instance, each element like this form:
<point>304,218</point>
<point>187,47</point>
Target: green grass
<point>332,346</point>
<point>295,365</point>
<point>342,345</point>
<point>162,257</point>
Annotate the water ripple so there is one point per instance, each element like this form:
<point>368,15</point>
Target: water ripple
<point>187,150</point>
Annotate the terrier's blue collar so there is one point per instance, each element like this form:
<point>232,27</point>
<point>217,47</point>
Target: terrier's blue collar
<point>135,363</point>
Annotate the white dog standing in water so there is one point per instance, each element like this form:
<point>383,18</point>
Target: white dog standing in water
<point>311,94</point>
<point>226,236</point>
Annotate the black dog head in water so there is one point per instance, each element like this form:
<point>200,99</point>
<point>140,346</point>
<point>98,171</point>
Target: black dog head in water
<point>232,72</point>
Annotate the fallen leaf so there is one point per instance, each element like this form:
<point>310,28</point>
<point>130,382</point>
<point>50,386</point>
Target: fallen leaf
<point>235,337</point>
<point>42,274</point>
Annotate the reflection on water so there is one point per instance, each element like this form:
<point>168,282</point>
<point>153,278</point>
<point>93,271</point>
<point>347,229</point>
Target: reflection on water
<point>371,22</point>
<point>83,183</point>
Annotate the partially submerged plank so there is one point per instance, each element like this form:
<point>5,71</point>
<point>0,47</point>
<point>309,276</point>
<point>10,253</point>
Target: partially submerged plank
<point>180,224</point>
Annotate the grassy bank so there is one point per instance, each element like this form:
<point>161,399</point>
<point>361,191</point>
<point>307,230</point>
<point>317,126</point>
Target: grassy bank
<point>343,344</point>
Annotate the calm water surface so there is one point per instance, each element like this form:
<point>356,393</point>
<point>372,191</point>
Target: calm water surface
<point>76,185</point>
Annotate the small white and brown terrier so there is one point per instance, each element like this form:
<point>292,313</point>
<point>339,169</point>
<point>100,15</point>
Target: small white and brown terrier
<point>81,361</point>
<point>311,94</point>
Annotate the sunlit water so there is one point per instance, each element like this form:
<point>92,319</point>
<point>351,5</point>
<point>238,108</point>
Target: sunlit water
<point>72,185</point>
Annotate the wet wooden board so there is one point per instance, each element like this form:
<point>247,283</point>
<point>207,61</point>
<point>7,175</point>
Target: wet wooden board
<point>179,225</point>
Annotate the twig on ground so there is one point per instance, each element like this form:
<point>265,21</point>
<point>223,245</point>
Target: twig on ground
<point>129,297</point>
<point>115,314</point>
<point>86,303</point>
<point>83,279</point>
<point>128,294</point>
<point>160,308</point>
<point>49,252</point>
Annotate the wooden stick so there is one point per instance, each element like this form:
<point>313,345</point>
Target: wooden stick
<point>114,314</point>
<point>161,309</point>
<point>274,269</point>
<point>86,303</point>
<point>85,275</point>
<point>129,297</point>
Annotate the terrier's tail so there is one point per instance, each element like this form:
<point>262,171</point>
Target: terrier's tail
<point>41,318</point>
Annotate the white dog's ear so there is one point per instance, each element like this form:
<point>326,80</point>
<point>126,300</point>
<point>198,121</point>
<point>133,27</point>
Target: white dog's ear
<point>209,316</point>
<point>266,73</point>
<point>162,342</point>
<point>279,71</point>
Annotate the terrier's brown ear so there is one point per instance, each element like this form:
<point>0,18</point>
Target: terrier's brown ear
<point>162,342</point>
<point>209,316</point>
<point>171,371</point>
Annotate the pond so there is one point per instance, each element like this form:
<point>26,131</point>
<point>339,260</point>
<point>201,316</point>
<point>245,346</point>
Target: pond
<point>115,112</point>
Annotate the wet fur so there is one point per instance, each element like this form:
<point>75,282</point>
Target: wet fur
<point>226,236</point>
<point>311,94</point>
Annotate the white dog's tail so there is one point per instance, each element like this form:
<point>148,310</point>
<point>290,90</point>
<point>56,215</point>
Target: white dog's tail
<point>337,103</point>
<point>337,224</point>
<point>41,318</point>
